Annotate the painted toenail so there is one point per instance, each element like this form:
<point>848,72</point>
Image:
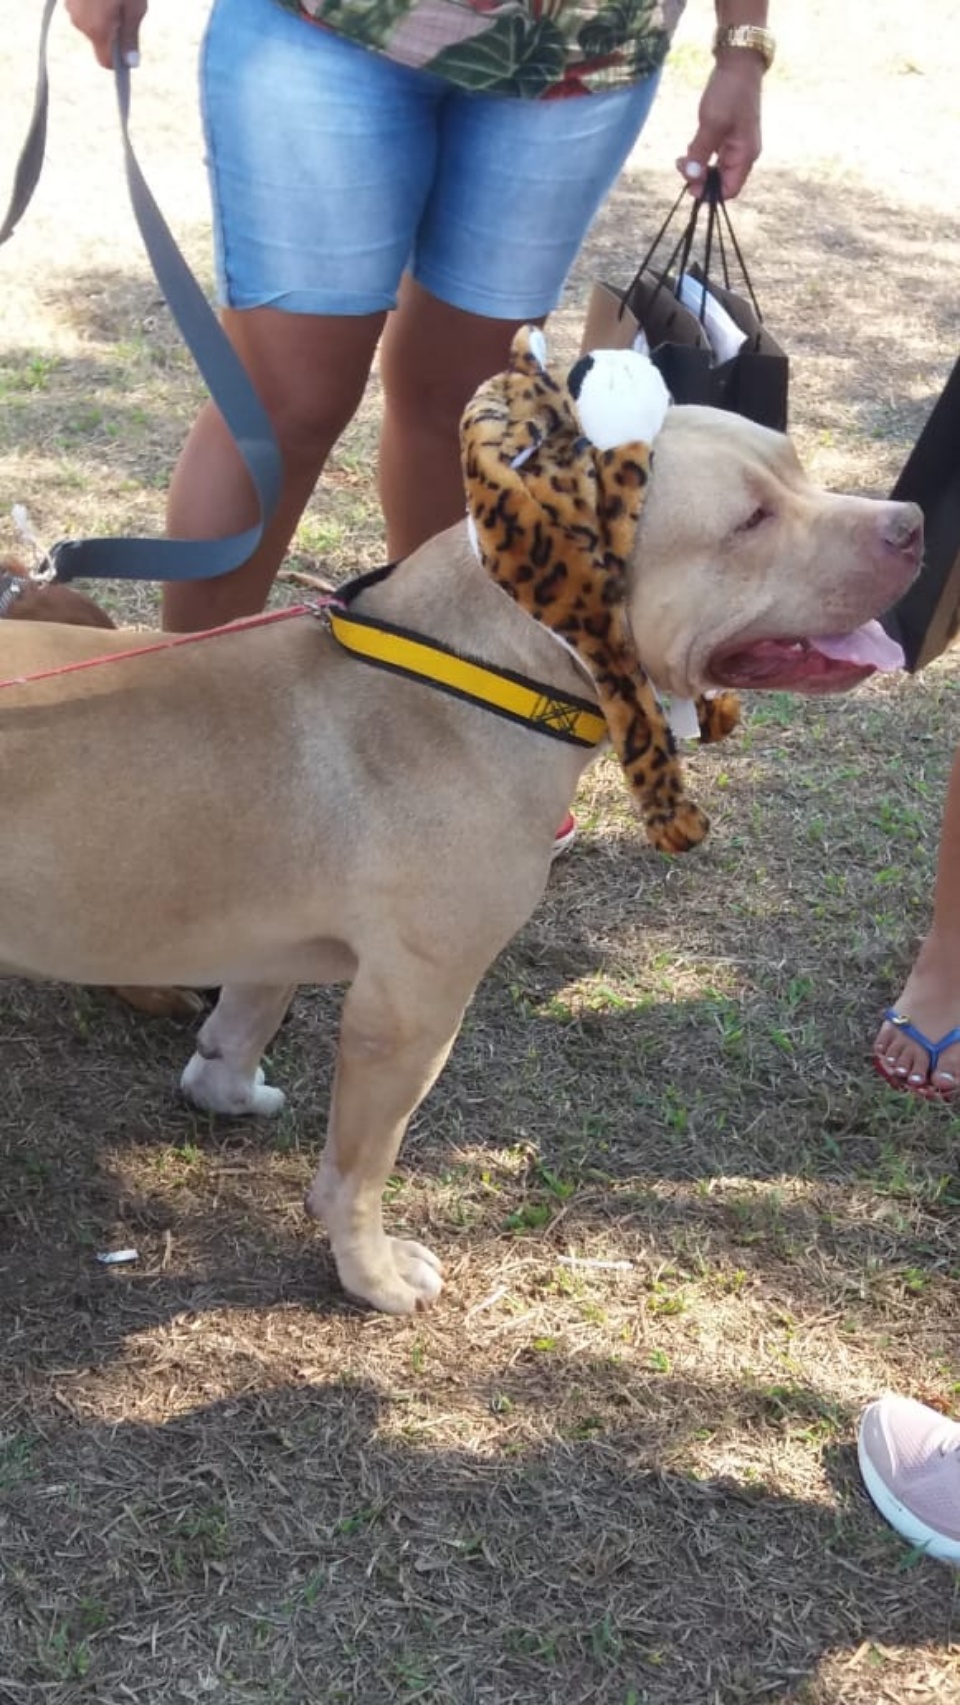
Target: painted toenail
<point>916,1077</point>
<point>946,1077</point>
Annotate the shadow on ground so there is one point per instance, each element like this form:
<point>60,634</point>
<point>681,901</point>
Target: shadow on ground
<point>310,1543</point>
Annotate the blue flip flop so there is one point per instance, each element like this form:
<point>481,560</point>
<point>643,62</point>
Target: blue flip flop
<point>933,1050</point>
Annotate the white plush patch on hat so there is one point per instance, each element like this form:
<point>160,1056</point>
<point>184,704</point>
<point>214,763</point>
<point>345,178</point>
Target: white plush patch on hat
<point>620,397</point>
<point>538,345</point>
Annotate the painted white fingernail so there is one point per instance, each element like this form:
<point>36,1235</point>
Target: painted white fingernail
<point>131,58</point>
<point>693,169</point>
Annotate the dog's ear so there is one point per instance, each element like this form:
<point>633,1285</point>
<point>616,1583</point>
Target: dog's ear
<point>556,475</point>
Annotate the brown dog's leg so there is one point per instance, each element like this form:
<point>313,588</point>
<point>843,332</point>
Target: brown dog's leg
<point>394,1041</point>
<point>161,1003</point>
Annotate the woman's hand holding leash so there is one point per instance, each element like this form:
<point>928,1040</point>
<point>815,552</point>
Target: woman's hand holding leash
<point>104,20</point>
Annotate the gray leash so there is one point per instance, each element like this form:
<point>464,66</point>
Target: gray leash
<point>219,365</point>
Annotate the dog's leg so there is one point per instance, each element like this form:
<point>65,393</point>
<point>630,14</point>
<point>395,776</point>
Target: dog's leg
<point>394,1040</point>
<point>160,1003</point>
<point>224,1074</point>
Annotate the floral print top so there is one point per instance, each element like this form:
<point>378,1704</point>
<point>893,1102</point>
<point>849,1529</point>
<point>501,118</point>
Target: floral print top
<point>529,49</point>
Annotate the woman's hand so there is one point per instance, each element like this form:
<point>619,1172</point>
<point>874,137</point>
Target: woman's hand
<point>729,123</point>
<point>104,21</point>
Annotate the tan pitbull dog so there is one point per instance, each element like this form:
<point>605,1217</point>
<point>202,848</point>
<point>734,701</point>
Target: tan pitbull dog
<point>260,809</point>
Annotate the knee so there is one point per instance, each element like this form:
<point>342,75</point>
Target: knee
<point>428,410</point>
<point>309,422</point>
<point>423,398</point>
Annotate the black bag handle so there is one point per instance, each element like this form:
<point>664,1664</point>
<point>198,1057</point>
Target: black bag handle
<point>668,276</point>
<point>219,365</point>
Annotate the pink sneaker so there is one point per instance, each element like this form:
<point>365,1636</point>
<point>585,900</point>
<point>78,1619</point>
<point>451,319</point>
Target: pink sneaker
<point>565,835</point>
<point>910,1462</point>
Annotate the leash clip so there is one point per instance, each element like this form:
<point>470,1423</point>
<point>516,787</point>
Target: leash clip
<point>321,609</point>
<point>44,562</point>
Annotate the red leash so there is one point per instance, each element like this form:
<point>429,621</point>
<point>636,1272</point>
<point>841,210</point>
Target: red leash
<point>166,644</point>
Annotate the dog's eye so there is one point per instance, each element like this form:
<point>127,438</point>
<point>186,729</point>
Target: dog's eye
<point>760,514</point>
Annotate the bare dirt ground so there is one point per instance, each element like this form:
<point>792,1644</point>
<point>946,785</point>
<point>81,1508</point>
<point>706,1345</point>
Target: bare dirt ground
<point>688,1234</point>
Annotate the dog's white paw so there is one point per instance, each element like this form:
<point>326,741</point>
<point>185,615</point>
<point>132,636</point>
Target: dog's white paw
<point>217,1088</point>
<point>405,1278</point>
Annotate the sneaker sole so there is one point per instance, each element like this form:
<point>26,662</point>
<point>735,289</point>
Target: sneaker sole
<point>562,843</point>
<point>902,1520</point>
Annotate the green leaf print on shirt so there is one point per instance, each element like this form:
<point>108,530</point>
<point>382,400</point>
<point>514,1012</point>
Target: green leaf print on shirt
<point>625,23</point>
<point>365,21</point>
<point>517,55</point>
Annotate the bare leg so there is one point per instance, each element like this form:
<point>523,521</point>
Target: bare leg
<point>931,995</point>
<point>309,372</point>
<point>432,359</point>
<point>224,1075</point>
<point>394,1040</point>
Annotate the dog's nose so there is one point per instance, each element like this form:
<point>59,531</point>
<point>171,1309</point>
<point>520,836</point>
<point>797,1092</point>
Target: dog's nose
<point>901,529</point>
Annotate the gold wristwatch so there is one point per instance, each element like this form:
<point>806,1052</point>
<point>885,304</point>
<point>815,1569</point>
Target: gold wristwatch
<point>752,36</point>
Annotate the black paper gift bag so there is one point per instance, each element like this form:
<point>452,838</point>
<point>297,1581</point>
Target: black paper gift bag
<point>755,380</point>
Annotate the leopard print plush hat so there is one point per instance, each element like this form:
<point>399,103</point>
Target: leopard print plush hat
<point>556,473</point>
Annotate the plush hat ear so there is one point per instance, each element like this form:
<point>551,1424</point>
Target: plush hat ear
<point>555,515</point>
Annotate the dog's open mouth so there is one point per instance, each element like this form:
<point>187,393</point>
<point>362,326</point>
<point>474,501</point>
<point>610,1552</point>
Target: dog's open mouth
<point>827,665</point>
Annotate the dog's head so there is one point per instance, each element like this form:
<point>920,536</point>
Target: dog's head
<point>747,575</point>
<point>709,562</point>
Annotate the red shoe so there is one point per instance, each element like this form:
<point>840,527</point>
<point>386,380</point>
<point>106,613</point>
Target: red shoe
<point>565,835</point>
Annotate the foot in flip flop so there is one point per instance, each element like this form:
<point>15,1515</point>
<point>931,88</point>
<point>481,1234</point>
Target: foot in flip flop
<point>916,1048</point>
<point>899,1064</point>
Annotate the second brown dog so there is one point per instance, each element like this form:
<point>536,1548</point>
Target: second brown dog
<point>23,599</point>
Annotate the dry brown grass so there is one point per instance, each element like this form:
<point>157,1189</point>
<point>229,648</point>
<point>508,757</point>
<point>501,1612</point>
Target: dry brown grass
<point>687,1233</point>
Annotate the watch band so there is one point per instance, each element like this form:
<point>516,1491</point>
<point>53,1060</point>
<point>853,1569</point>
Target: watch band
<point>752,36</point>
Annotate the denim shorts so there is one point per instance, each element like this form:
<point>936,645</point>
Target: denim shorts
<point>334,170</point>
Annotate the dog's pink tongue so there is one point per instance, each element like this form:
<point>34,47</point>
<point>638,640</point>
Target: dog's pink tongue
<point>870,647</point>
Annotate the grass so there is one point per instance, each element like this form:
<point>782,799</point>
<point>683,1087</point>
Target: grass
<point>687,1233</point>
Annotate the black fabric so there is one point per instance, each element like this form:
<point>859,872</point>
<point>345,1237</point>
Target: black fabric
<point>927,617</point>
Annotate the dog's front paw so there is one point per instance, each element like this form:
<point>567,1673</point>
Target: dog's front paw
<point>685,826</point>
<point>399,1277</point>
<point>217,1087</point>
